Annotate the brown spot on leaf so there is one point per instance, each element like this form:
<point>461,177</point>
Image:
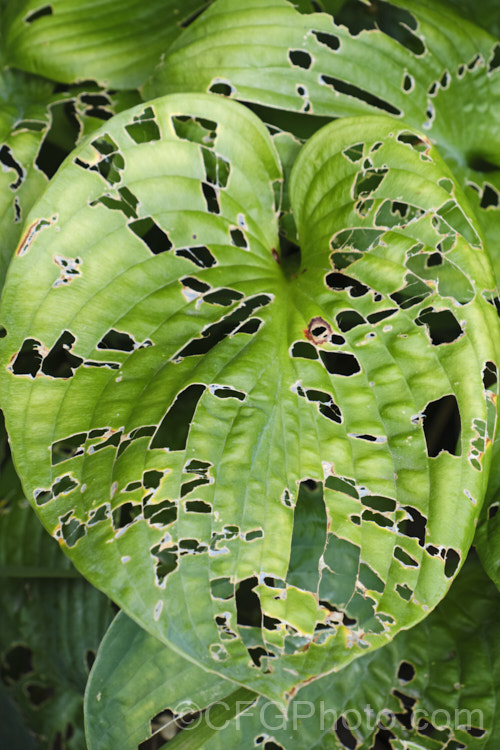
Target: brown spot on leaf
<point>318,331</point>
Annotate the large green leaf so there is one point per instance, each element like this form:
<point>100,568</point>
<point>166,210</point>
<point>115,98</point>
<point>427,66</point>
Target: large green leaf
<point>116,42</point>
<point>188,411</point>
<point>437,72</point>
<point>433,686</point>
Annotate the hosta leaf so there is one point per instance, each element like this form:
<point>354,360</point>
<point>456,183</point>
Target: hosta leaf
<point>116,42</point>
<point>177,398</point>
<point>121,712</point>
<point>429,67</point>
<point>431,687</point>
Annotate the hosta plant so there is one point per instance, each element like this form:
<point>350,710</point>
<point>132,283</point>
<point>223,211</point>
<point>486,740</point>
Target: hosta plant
<point>249,363</point>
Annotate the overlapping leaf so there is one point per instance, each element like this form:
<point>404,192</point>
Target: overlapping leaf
<point>116,42</point>
<point>189,411</point>
<point>403,689</point>
<point>429,67</point>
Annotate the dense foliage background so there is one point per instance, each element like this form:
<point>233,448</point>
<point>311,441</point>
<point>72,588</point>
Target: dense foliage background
<point>318,180</point>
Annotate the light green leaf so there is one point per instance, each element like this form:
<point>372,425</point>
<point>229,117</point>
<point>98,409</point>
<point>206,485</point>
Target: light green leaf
<point>432,687</point>
<point>171,388</point>
<point>437,72</point>
<point>116,42</point>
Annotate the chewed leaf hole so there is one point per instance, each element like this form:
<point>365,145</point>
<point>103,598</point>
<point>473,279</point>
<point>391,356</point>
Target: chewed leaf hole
<point>340,363</point>
<point>406,672</point>
<point>443,327</point>
<point>452,561</point>
<point>199,255</point>
<point>155,239</point>
<point>173,430</point>
<point>300,58</point>
<point>342,87</point>
<point>345,736</point>
<point>248,607</point>
<point>442,426</point>
<point>45,10</point>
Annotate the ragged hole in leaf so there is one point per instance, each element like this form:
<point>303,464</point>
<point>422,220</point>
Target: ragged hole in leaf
<point>238,238</point>
<point>217,169</point>
<point>97,106</point>
<point>348,319</point>
<point>173,430</point>
<point>414,525</point>
<point>60,362</point>
<point>328,40</point>
<point>160,514</point>
<point>225,297</point>
<point>345,736</point>
<point>368,181</point>
<point>339,282</point>
<point>308,537</point>
<point>300,58</point>
<point>155,239</point>
<point>125,514</point>
<point>397,23</point>
<point>340,363</point>
<point>39,694</point>
<point>338,484</point>
<point>144,127</point>
<point>442,426</point>
<point>222,588</point>
<point>117,340</point>
<point>490,375</point>
<point>224,88</point>
<point>127,203</point>
<point>490,197</point>
<point>404,558</point>
<point>17,661</point>
<point>195,129</point>
<point>442,327</point>
<point>69,447</point>
<point>216,332</point>
<point>248,607</point>
<point>494,61</point>
<point>342,87</point>
<point>405,718</point>
<point>412,293</point>
<point>28,359</point>
<point>45,10</point>
<point>199,255</point>
<point>211,198</point>
<point>225,391</point>
<point>452,561</point>
<point>406,671</point>
<point>167,561</point>
<point>397,214</point>
<point>197,506</point>
<point>8,162</point>
<point>72,530</point>
<point>303,350</point>
<point>404,591</point>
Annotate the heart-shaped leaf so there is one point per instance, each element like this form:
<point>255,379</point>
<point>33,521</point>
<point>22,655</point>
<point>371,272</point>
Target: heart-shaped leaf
<point>190,410</point>
<point>417,61</point>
